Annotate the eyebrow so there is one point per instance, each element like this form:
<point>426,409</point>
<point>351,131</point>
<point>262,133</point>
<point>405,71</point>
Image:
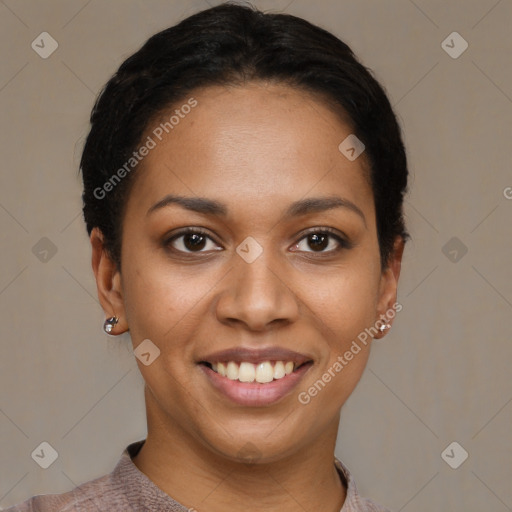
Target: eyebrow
<point>207,206</point>
<point>195,204</point>
<point>321,204</point>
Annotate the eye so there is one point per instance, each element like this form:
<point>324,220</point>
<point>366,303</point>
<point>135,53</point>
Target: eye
<point>322,240</point>
<point>191,240</point>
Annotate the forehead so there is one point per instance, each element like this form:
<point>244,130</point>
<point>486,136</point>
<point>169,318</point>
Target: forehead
<point>250,142</point>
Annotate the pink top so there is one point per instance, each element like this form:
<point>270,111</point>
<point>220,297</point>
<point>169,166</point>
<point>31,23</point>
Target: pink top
<point>128,489</point>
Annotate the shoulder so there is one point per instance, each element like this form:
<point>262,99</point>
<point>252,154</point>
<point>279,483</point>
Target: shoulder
<point>367,505</point>
<point>126,489</point>
<point>93,496</point>
<point>354,502</point>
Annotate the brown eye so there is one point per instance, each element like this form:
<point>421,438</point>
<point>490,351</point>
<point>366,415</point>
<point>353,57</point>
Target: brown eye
<point>323,241</point>
<point>318,242</point>
<point>191,241</point>
<point>194,242</point>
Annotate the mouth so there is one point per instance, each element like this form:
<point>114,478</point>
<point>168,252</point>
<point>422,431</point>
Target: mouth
<point>261,373</point>
<point>251,377</point>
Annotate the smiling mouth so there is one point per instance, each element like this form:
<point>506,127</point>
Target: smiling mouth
<point>261,373</point>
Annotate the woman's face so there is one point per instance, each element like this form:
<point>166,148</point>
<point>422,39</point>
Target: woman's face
<point>286,269</point>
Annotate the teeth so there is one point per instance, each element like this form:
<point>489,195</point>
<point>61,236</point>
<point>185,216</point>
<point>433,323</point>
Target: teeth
<point>248,372</point>
<point>279,371</point>
<point>232,371</point>
<point>264,372</point>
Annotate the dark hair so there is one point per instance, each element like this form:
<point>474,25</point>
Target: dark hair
<point>234,44</point>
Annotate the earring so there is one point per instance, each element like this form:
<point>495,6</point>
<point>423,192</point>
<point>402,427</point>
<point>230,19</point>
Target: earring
<point>384,327</point>
<point>110,323</point>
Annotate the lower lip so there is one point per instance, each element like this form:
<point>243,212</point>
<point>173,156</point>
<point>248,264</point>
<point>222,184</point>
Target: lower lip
<point>254,394</point>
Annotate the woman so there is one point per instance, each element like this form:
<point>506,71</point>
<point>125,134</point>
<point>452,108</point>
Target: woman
<point>243,185</point>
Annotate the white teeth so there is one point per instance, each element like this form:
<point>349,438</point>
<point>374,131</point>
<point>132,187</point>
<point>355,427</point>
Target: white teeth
<point>232,371</point>
<point>264,372</point>
<point>279,371</point>
<point>221,369</point>
<point>247,372</point>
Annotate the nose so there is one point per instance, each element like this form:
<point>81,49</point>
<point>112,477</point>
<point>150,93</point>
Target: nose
<point>257,296</point>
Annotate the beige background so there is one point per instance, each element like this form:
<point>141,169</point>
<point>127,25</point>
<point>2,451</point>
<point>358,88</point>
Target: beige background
<point>441,375</point>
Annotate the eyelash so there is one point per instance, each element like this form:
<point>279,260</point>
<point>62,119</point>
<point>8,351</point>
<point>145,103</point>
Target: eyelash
<point>343,243</point>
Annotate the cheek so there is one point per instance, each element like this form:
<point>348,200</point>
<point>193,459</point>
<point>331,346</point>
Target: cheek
<point>346,305</point>
<point>163,305</point>
<point>346,302</point>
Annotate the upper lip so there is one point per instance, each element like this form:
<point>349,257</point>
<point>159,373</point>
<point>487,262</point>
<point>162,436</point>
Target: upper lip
<point>255,356</point>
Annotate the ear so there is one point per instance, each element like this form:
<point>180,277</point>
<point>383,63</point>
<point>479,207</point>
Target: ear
<point>389,283</point>
<point>108,282</point>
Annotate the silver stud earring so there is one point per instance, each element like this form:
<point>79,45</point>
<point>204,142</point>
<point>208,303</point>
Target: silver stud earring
<point>110,323</point>
<point>384,327</point>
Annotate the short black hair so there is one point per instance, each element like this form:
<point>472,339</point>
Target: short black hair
<point>233,44</point>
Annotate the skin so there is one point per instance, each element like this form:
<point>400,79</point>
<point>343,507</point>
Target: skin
<point>255,148</point>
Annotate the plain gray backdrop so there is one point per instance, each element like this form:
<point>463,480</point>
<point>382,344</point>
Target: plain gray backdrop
<point>442,375</point>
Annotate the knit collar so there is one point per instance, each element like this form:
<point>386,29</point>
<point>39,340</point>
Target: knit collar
<point>144,495</point>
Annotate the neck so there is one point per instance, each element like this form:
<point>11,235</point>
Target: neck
<point>200,479</point>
